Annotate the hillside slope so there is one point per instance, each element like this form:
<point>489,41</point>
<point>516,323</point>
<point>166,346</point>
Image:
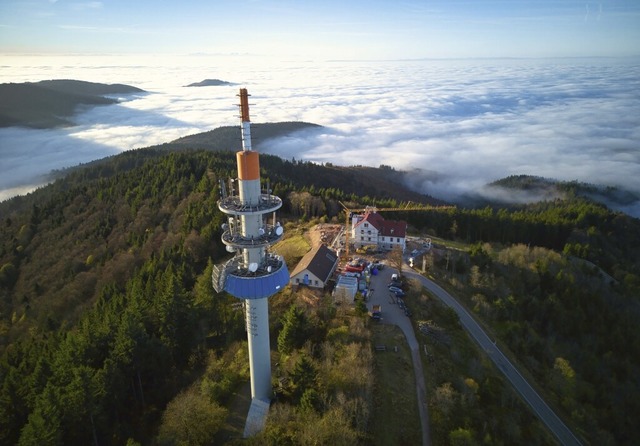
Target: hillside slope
<point>133,231</point>
<point>49,104</point>
<point>105,289</point>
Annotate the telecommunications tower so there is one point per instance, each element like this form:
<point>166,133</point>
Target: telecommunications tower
<point>254,273</point>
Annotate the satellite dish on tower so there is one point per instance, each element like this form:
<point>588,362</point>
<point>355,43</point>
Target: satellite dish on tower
<point>253,267</point>
<point>279,230</point>
<point>261,231</point>
<point>231,248</point>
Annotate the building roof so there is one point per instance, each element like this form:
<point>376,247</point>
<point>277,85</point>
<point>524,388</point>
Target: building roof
<point>320,262</point>
<point>347,282</point>
<point>389,228</point>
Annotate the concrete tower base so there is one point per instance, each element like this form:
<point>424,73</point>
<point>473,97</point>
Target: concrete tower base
<point>257,417</point>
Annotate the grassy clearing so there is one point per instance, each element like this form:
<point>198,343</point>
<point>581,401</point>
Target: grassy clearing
<point>395,418</point>
<point>293,248</point>
<point>447,243</point>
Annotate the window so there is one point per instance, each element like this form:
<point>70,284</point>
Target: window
<point>369,238</point>
<point>398,240</point>
<point>369,232</point>
<point>297,280</point>
<point>362,238</point>
<point>361,231</point>
<point>383,238</point>
<point>366,225</point>
<point>316,282</point>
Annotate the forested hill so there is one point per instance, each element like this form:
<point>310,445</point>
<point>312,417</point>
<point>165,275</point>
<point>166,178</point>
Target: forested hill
<point>210,83</point>
<point>541,188</point>
<point>49,104</point>
<point>373,183</point>
<point>104,209</point>
<point>143,222</point>
<point>105,289</point>
<point>228,137</point>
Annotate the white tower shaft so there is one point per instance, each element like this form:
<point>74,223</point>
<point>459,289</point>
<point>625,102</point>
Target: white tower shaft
<point>257,310</point>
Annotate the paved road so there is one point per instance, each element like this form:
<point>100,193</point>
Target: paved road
<point>392,314</point>
<point>541,409</point>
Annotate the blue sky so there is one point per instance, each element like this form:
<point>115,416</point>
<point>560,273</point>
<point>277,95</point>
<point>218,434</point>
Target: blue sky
<point>327,29</point>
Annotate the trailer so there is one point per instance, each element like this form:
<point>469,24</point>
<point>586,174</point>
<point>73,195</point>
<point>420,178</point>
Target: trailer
<point>345,290</point>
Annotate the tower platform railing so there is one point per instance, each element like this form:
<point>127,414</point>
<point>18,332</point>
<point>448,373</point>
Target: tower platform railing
<point>235,268</point>
<point>234,205</point>
<point>236,240</point>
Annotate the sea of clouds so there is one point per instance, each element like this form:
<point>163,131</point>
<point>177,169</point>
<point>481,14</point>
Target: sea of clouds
<point>456,125</point>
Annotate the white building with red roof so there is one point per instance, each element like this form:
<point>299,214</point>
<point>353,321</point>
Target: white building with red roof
<point>372,229</point>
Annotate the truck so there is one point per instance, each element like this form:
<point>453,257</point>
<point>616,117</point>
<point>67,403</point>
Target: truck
<point>376,312</point>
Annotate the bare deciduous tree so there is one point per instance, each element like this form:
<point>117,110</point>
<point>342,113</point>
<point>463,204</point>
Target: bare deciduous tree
<point>396,259</point>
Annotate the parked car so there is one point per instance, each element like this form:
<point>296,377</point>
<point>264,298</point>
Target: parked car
<point>395,283</point>
<point>399,293</point>
<point>394,289</point>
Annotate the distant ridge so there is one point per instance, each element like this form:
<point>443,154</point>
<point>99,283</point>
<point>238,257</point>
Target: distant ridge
<point>523,189</point>
<point>597,192</point>
<point>49,104</point>
<point>228,137</point>
<point>210,83</point>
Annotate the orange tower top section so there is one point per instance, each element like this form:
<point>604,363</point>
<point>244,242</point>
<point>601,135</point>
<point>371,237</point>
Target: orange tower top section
<point>248,165</point>
<point>244,105</point>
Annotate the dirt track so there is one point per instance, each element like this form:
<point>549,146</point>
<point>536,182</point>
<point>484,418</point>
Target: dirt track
<point>323,233</point>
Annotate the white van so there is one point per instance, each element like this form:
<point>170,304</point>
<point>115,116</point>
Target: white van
<point>394,277</point>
